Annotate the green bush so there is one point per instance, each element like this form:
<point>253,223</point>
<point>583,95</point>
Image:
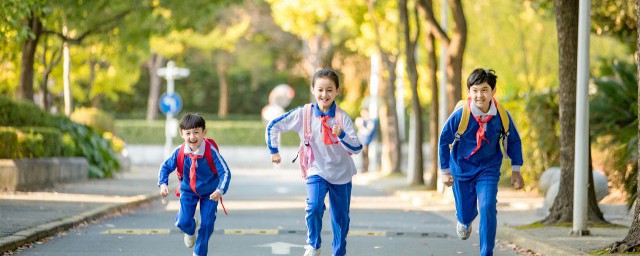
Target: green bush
<point>39,142</point>
<point>8,142</point>
<point>95,118</point>
<point>247,132</point>
<point>21,113</point>
<point>102,160</point>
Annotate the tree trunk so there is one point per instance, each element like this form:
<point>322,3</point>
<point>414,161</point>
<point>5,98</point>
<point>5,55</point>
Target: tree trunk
<point>391,152</point>
<point>223,102</point>
<point>455,52</point>
<point>417,174</point>
<point>44,84</point>
<point>28,54</point>
<point>567,26</point>
<point>318,53</point>
<point>389,133</point>
<point>594,214</point>
<point>153,64</point>
<point>632,241</point>
<point>432,181</point>
<point>455,46</point>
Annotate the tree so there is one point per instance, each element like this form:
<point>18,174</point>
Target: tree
<point>220,42</point>
<point>321,25</point>
<point>631,242</point>
<point>389,131</point>
<point>455,43</point>
<point>410,42</point>
<point>432,63</point>
<point>567,26</point>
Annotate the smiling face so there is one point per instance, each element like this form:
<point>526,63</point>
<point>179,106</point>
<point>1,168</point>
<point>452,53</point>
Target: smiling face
<point>481,94</point>
<point>324,91</point>
<point>193,137</point>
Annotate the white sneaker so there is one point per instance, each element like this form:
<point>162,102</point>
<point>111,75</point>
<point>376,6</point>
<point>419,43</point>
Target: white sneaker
<point>311,251</point>
<point>190,241</point>
<point>463,231</point>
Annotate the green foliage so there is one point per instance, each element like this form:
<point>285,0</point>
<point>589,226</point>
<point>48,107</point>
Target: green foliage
<point>614,120</point>
<point>540,134</point>
<point>8,142</point>
<point>39,142</point>
<point>224,132</point>
<point>22,113</point>
<point>102,160</point>
<point>95,118</point>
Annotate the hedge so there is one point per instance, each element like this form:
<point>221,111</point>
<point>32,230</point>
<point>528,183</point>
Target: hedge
<point>30,142</point>
<point>240,132</point>
<point>20,113</point>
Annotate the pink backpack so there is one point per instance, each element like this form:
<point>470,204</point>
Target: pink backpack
<point>305,152</point>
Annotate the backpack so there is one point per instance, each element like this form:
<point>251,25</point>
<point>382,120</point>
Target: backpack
<point>466,115</point>
<point>207,155</point>
<point>305,151</point>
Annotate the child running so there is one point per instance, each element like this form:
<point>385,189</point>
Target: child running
<point>470,158</point>
<point>206,178</point>
<point>330,168</point>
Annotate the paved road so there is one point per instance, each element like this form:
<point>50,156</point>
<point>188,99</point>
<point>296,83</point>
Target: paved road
<point>266,208</point>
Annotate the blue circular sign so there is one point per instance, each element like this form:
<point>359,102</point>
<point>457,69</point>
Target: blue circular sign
<point>170,103</point>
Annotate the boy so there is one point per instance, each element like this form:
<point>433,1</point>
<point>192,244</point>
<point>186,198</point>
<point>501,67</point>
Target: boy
<point>471,161</point>
<point>200,183</point>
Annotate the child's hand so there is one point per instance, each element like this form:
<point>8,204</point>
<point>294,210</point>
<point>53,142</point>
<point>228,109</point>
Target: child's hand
<point>215,196</point>
<point>275,158</point>
<point>336,130</point>
<point>447,179</point>
<point>164,191</point>
<point>516,180</point>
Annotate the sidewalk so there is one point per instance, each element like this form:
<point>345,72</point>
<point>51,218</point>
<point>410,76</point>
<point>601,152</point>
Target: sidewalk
<point>515,208</point>
<point>27,217</point>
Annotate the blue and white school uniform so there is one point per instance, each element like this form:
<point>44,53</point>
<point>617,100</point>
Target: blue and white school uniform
<point>476,176</point>
<point>206,183</point>
<point>330,172</point>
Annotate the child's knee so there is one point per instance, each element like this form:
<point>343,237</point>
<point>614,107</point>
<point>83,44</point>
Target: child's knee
<point>315,208</point>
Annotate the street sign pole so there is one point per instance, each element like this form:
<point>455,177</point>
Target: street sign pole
<point>171,73</point>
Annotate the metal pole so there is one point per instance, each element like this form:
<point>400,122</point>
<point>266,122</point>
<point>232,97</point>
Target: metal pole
<point>581,180</point>
<point>442,90</point>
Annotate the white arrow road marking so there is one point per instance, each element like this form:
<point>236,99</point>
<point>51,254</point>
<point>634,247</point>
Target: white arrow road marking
<point>280,248</point>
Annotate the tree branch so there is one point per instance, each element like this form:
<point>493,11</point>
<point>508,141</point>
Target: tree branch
<point>427,9</point>
<point>99,27</point>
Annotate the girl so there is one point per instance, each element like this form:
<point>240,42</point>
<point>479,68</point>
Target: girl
<point>330,167</point>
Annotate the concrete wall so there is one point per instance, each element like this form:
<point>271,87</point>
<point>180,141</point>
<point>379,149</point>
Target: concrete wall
<point>40,173</point>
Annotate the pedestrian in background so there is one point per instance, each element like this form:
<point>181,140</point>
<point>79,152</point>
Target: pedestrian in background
<point>470,158</point>
<point>207,179</point>
<point>367,128</point>
<point>328,167</point>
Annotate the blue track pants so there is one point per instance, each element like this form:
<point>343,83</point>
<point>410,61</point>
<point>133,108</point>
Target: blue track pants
<point>340,201</point>
<point>478,194</point>
<point>186,222</point>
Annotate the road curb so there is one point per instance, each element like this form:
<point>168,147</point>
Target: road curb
<point>526,240</point>
<point>48,229</point>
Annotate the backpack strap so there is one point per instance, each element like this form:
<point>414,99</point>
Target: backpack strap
<point>464,121</point>
<point>180,163</point>
<point>306,123</point>
<point>209,156</point>
<point>505,126</point>
<point>338,116</point>
<point>503,117</point>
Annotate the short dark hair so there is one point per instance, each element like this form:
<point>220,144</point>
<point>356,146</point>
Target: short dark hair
<point>480,76</point>
<point>192,121</point>
<point>328,73</point>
